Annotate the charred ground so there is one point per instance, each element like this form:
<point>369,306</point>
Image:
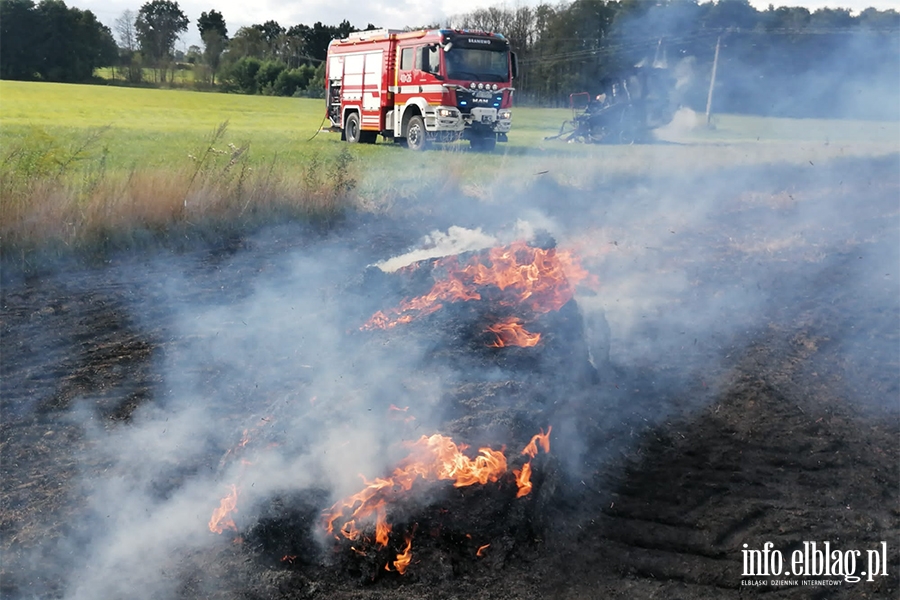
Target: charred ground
<point>692,439</point>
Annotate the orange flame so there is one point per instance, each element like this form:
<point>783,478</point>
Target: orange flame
<point>350,531</point>
<point>382,527</point>
<point>536,279</point>
<point>540,438</point>
<point>403,558</point>
<point>431,458</point>
<point>481,550</point>
<point>523,479</point>
<point>436,458</point>
<point>510,332</point>
<point>220,520</point>
<point>523,475</point>
<point>234,450</point>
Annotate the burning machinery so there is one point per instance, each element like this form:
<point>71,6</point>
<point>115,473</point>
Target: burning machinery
<point>627,107</point>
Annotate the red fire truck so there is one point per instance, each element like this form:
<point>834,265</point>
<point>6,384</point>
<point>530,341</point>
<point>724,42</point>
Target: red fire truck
<point>418,87</point>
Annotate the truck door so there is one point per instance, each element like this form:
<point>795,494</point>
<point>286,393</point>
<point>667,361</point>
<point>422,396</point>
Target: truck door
<point>428,65</point>
<point>405,70</point>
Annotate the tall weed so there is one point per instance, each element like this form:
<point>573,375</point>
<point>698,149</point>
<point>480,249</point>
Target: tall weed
<point>53,193</point>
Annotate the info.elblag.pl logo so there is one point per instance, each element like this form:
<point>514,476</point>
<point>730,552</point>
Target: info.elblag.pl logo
<point>813,560</point>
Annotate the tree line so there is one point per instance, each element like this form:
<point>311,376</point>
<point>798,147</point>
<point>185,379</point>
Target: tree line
<point>562,48</point>
<point>52,42</point>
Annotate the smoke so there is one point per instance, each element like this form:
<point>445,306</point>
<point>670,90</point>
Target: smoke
<point>263,344</point>
<point>270,356</point>
<point>769,64</point>
<point>684,121</point>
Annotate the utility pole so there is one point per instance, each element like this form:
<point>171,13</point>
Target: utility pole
<point>712,80</point>
<point>656,55</point>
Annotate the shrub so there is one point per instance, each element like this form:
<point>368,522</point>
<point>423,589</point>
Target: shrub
<point>290,81</point>
<point>242,74</point>
<point>267,75</point>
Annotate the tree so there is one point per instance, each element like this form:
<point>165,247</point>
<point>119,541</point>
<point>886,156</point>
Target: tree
<point>158,25</point>
<point>129,57</point>
<point>18,22</point>
<point>214,34</point>
<point>248,41</point>
<point>731,14</point>
<point>193,55</point>
<point>319,36</point>
<point>125,30</point>
<point>270,30</point>
<point>874,19</point>
<point>212,21</point>
<point>213,47</point>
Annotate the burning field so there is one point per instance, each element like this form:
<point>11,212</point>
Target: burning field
<point>611,393</point>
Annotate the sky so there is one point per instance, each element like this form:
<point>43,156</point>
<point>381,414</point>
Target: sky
<point>383,13</point>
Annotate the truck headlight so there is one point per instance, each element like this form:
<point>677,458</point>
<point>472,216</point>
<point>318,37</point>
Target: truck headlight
<point>446,112</point>
<point>504,114</point>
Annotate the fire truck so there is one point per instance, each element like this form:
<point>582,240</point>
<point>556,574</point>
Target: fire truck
<point>419,87</point>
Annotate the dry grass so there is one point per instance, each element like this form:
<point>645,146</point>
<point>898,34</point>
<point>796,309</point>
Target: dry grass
<point>50,194</point>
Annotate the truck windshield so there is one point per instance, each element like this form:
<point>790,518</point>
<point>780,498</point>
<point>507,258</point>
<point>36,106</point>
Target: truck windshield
<point>476,64</point>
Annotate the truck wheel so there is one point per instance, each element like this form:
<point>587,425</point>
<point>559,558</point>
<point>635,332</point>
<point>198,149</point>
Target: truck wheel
<point>351,128</point>
<point>415,133</point>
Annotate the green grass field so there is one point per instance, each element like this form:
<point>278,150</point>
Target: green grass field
<point>159,128</point>
<point>65,143</point>
<point>181,77</point>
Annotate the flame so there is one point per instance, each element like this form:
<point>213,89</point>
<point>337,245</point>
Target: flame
<point>382,527</point>
<point>350,531</point>
<point>510,332</point>
<point>523,479</point>
<point>481,550</point>
<point>434,458</point>
<point>234,450</point>
<point>220,521</point>
<point>523,475</point>
<point>403,558</point>
<point>539,438</point>
<point>535,279</point>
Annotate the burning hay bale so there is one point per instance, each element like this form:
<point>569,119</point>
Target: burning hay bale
<point>361,523</point>
<point>439,500</point>
<point>510,306</point>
